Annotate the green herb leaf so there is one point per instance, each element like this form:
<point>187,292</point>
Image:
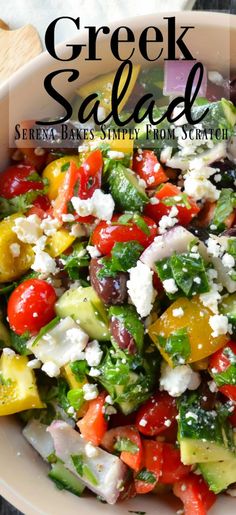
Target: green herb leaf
<point>125,444</point>
<point>65,167</point>
<point>18,204</point>
<point>177,346</point>
<point>180,199</point>
<point>140,222</point>
<point>62,391</point>
<point>78,462</point>
<point>79,258</point>
<point>123,257</point>
<point>80,369</point>
<point>83,469</point>
<point>124,219</point>
<point>4,290</point>
<point>147,476</point>
<point>76,398</point>
<point>19,343</point>
<point>188,272</point>
<point>45,330</point>
<point>224,207</point>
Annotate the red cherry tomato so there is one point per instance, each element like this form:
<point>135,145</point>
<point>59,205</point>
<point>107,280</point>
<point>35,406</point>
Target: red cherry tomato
<point>152,416</point>
<point>195,495</point>
<point>15,180</point>
<point>80,182</point>
<point>173,469</point>
<point>93,425</point>
<point>219,364</point>
<point>147,166</point>
<point>31,306</point>
<point>105,235</point>
<point>132,459</point>
<point>153,462</point>
<point>40,207</point>
<point>157,211</point>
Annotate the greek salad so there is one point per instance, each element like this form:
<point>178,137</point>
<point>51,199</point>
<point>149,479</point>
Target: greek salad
<point>118,301</point>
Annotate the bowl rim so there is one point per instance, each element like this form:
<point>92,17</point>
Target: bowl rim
<point>216,19</point>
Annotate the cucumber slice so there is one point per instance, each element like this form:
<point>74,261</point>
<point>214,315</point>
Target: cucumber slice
<point>64,479</point>
<point>86,308</point>
<point>219,475</point>
<point>125,189</point>
<point>202,436</point>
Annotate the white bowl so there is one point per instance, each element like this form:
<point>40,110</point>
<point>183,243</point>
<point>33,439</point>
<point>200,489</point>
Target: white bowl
<point>24,479</point>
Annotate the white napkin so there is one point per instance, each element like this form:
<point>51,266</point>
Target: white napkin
<point>98,12</point>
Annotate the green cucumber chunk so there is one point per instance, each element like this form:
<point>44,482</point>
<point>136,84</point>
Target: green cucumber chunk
<point>203,437</point>
<point>64,479</point>
<point>84,305</point>
<point>220,474</point>
<point>125,189</point>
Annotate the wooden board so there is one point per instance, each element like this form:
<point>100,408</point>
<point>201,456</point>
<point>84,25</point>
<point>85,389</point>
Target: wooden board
<point>17,47</point>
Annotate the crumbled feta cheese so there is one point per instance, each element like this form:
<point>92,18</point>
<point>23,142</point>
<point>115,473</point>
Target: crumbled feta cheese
<point>170,286</point>
<point>140,288</point>
<point>90,450</point>
<point>43,263</point>
<point>114,154</point>
<point>51,369</point>
<point>191,414</point>
<point>50,225</point>
<point>90,391</point>
<point>77,230</point>
<point>62,344</point>
<point>212,385</point>
<point>28,229</point>
<point>166,154</point>
<point>215,77</point>
<point>167,423</point>
<point>108,399</point>
<point>68,217</point>
<point>93,353</point>
<point>219,324</point>
<point>228,260</point>
<point>177,380</point>
<point>101,205</point>
<point>182,120</point>
<point>168,221</point>
<point>110,410</point>
<point>95,372</point>
<point>75,334</point>
<point>15,249</point>
<point>217,177</point>
<point>214,247</point>
<point>198,186</point>
<point>141,182</point>
<point>178,312</point>
<point>210,300</point>
<point>83,207</point>
<point>154,201</point>
<point>8,352</point>
<point>143,422</point>
<point>93,251</point>
<point>34,363</point>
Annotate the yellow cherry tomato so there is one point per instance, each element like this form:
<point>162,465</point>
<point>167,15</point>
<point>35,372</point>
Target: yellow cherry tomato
<point>103,86</point>
<point>59,242</point>
<point>17,260</point>
<point>55,173</point>
<point>18,390</point>
<point>195,320</point>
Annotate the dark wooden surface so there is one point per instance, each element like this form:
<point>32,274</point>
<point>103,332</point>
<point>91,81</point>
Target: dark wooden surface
<point>228,6</point>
